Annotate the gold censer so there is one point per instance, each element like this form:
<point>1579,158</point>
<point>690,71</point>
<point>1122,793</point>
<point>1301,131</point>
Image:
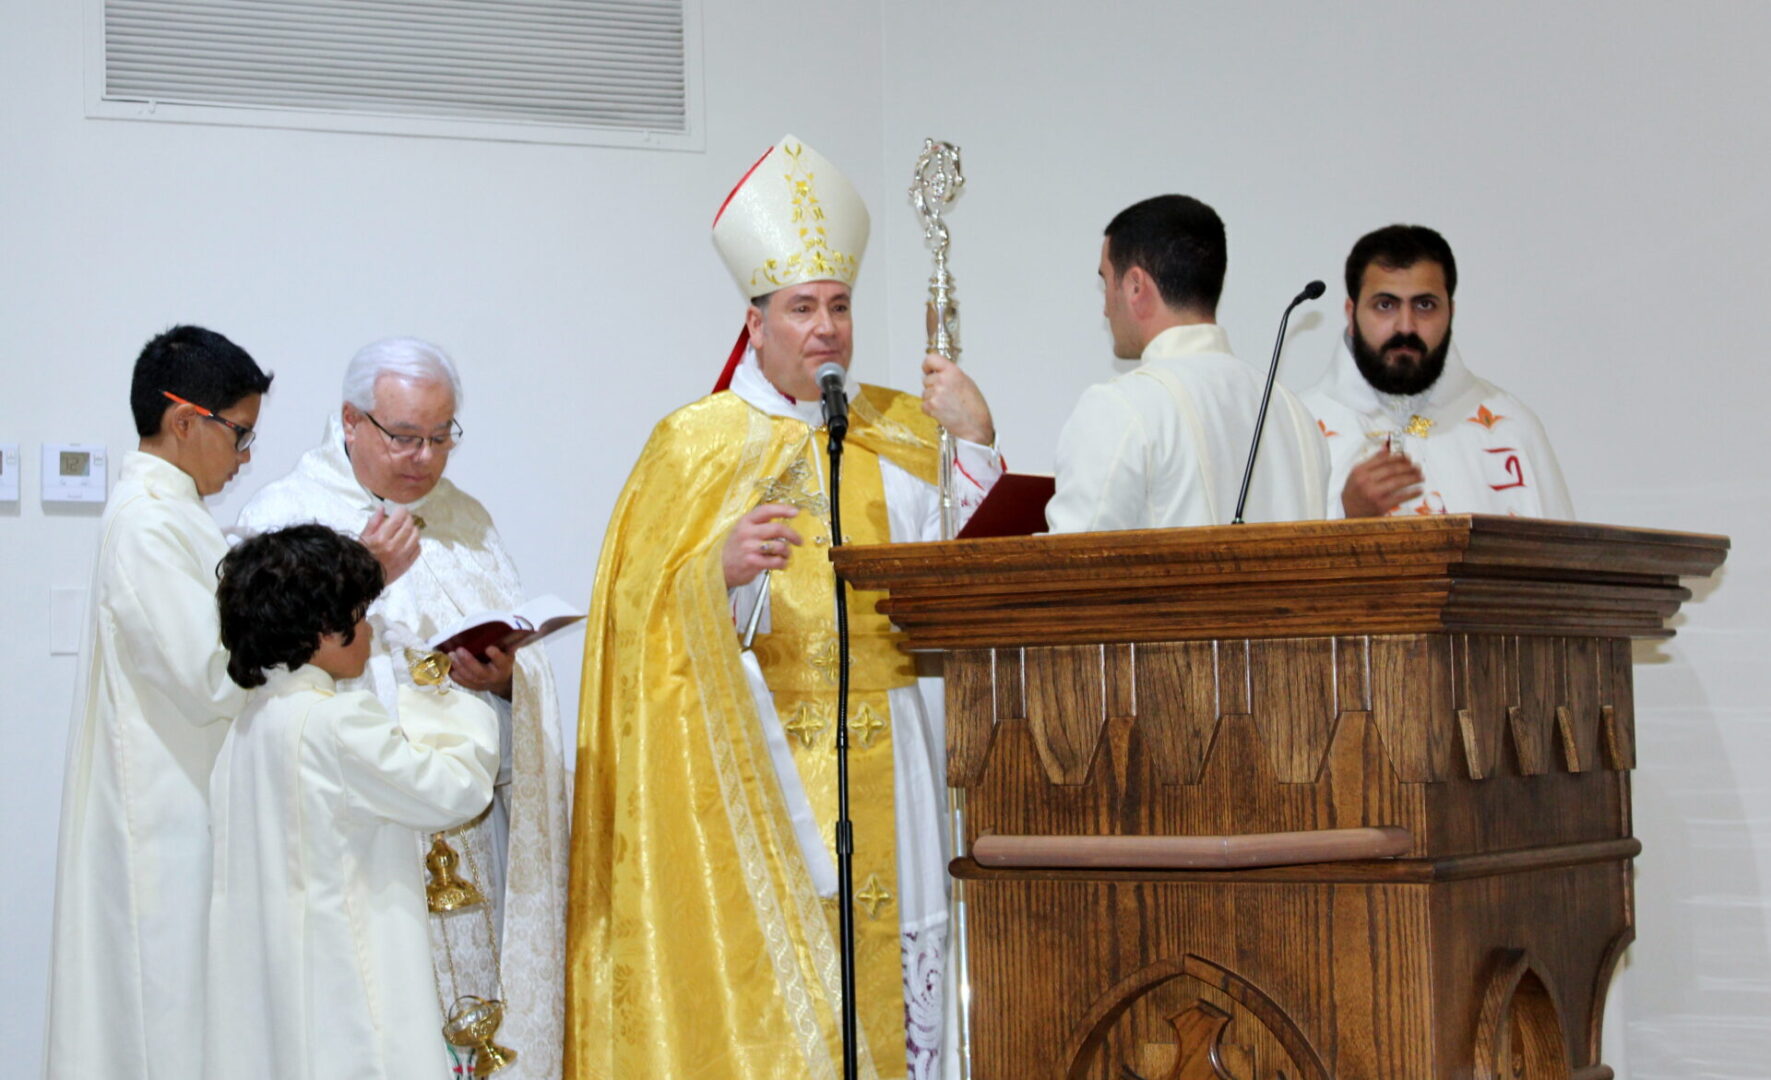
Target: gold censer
<point>447,890</point>
<point>472,1025</point>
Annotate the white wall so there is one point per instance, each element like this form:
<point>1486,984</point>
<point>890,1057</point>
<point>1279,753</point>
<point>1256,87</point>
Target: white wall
<point>1597,166</point>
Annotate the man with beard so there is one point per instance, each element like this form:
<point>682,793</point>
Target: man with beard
<point>1411,431</point>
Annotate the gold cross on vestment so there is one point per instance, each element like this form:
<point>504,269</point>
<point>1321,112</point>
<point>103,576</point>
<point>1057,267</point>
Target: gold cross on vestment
<point>808,720</point>
<point>1418,426</point>
<point>795,487</point>
<point>873,896</point>
<point>825,658</point>
<point>864,725</point>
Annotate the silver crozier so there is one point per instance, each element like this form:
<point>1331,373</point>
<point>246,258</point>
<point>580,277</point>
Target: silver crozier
<point>938,182</point>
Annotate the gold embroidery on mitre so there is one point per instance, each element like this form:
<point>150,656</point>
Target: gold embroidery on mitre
<point>816,260</point>
<point>794,488</point>
<point>1418,426</point>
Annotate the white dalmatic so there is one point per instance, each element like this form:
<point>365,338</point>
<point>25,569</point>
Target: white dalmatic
<point>319,944</point>
<point>132,877</point>
<point>1480,449</point>
<point>1165,444</point>
<point>519,849</point>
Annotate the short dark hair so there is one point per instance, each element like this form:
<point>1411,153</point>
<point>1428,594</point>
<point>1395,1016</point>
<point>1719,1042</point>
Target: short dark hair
<point>1398,247</point>
<point>1179,241</point>
<point>198,365</point>
<point>280,591</point>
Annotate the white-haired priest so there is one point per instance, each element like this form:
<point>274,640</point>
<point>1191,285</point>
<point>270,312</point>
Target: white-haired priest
<point>378,473</point>
<point>703,920</point>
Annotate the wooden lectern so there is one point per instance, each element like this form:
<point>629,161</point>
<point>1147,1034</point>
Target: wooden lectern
<point>1323,800</point>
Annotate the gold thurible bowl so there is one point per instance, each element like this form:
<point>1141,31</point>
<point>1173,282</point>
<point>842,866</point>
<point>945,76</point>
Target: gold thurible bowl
<point>471,1026</point>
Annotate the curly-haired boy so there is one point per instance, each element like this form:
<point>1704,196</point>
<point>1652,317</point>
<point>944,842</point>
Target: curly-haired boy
<point>319,950</point>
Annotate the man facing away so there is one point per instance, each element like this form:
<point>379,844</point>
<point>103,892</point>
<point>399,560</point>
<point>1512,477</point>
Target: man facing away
<point>1165,444</point>
<point>132,877</point>
<point>378,472</point>
<point>703,914</point>
<point>1409,428</point>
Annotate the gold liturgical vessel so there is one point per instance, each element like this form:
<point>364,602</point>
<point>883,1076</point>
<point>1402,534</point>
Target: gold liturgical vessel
<point>429,669</point>
<point>472,1024</point>
<point>474,1021</point>
<point>446,890</point>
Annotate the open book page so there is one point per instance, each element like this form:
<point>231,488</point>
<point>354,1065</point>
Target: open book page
<point>508,630</point>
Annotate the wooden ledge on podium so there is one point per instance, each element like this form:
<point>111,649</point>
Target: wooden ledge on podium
<point>1445,701</point>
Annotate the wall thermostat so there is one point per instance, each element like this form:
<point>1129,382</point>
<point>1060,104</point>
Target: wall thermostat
<point>73,473</point>
<point>8,472</point>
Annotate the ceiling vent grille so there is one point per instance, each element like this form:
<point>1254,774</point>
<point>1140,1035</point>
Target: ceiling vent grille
<point>546,70</point>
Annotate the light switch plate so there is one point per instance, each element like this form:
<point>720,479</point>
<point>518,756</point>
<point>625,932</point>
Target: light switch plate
<point>73,473</point>
<point>8,472</point>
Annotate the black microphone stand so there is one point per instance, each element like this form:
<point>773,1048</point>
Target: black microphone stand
<point>845,839</point>
<point>1311,292</point>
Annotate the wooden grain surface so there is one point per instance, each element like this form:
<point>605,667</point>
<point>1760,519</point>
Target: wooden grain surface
<point>1466,679</point>
<point>1306,848</point>
<point>1468,573</point>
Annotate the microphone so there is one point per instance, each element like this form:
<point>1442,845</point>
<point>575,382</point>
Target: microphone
<point>1310,292</point>
<point>830,375</point>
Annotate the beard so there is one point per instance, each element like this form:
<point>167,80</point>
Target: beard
<point>1391,375</point>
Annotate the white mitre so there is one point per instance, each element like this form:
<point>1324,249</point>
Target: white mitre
<point>794,217</point>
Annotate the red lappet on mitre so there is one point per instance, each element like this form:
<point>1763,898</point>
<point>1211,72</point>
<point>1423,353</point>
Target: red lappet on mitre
<point>793,218</point>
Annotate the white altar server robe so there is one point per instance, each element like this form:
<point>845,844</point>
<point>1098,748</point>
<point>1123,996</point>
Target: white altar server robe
<point>319,952</point>
<point>463,569</point>
<point>1165,444</point>
<point>1480,449</point>
<point>132,876</point>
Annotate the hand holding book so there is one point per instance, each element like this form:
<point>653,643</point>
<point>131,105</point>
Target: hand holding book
<point>506,631</point>
<point>494,675</point>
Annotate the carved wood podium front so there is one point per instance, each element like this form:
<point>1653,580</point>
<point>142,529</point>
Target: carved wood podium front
<point>1323,800</point>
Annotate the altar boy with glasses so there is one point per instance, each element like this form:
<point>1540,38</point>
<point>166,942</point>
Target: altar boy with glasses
<point>132,877</point>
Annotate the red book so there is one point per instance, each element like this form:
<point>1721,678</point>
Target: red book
<point>508,630</point>
<point>1014,507</point>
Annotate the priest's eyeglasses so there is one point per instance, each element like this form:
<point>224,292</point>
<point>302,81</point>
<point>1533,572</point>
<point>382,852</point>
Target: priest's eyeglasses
<point>243,435</point>
<point>411,444</point>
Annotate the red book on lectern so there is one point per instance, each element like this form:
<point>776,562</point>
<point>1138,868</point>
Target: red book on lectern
<point>1014,507</point>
